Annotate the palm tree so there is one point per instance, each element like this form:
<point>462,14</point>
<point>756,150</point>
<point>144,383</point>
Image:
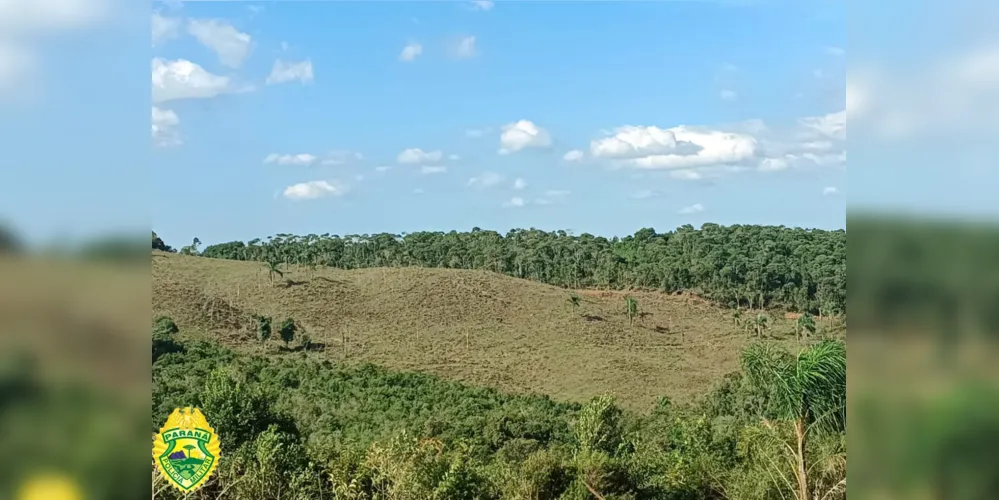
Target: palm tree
<point>574,301</point>
<point>273,267</point>
<point>632,307</point>
<point>807,390</point>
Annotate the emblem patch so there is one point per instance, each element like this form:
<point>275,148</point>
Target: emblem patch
<point>186,450</point>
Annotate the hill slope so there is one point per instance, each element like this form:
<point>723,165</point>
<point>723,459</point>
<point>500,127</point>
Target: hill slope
<point>473,326</point>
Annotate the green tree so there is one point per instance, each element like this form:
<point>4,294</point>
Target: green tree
<point>631,307</point>
<point>807,390</point>
<point>574,301</point>
<point>273,267</point>
<point>263,327</point>
<point>804,323</point>
<point>758,324</point>
<point>288,330</point>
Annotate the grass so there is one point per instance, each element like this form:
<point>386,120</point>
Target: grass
<point>471,326</point>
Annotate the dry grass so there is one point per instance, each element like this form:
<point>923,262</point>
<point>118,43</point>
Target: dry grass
<point>473,326</point>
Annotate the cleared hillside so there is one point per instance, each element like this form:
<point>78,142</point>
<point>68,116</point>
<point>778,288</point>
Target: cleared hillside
<point>473,326</point>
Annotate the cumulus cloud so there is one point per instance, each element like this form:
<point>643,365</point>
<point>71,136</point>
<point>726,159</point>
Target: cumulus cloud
<point>643,194</point>
<point>828,190</point>
<point>692,209</point>
<point>163,28</point>
<point>290,159</point>
<point>430,169</point>
<point>284,71</point>
<point>519,183</point>
<point>573,156</point>
<point>164,127</point>
<point>314,189</point>
<point>183,79</point>
<point>410,52</point>
<point>523,134</point>
<point>231,45</point>
<point>677,147</point>
<point>482,4</point>
<point>413,156</point>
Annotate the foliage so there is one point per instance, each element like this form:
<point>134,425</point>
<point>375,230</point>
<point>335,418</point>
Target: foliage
<point>631,308</point>
<point>295,428</point>
<point>288,330</point>
<point>163,341</point>
<point>158,244</point>
<point>755,266</point>
<point>263,327</point>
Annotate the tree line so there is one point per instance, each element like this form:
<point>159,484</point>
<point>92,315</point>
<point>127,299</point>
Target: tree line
<point>750,266</point>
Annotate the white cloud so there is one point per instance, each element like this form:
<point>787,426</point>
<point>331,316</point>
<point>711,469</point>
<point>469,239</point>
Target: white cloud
<point>163,28</point>
<point>828,190</point>
<point>686,175</point>
<point>382,168</point>
<point>523,134</point>
<point>482,4</point>
<point>314,189</point>
<point>832,125</point>
<point>474,133</point>
<point>183,79</point>
<point>556,193</point>
<point>231,45</point>
<point>290,159</point>
<point>414,156</point>
<point>410,52</point>
<point>728,95</point>
<point>678,147</point>
<point>692,209</point>
<point>283,72</point>
<point>418,191</point>
<point>485,180</point>
<point>574,155</point>
<point>466,47</point>
<point>429,169</point>
<point>542,201</point>
<point>835,51</point>
<point>453,157</point>
<point>773,164</point>
<point>164,127</point>
<point>519,183</point>
<point>359,177</point>
<point>643,194</point>
<point>515,202</point>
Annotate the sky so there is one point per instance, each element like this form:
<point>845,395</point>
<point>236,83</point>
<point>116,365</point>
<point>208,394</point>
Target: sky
<point>364,117</point>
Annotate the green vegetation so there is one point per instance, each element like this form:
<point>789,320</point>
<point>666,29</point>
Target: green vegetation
<point>752,266</point>
<point>300,428</point>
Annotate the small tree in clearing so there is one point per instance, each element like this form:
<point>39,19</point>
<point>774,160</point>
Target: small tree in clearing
<point>273,267</point>
<point>574,301</point>
<point>288,330</point>
<point>632,307</point>
<point>805,323</point>
<point>263,327</point>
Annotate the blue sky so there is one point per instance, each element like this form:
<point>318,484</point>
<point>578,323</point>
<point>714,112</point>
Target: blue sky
<point>490,105</point>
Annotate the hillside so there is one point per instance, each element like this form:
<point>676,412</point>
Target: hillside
<point>467,325</point>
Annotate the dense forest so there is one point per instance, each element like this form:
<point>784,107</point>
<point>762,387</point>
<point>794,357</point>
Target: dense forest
<point>295,428</point>
<point>745,266</point>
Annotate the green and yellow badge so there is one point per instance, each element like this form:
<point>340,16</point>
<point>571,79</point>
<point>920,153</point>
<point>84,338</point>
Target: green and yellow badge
<point>186,450</point>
